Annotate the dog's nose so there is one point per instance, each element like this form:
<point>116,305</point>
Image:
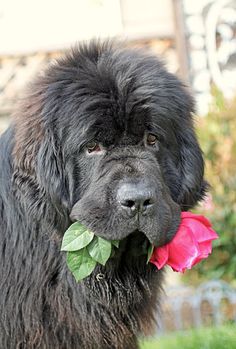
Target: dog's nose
<point>135,198</point>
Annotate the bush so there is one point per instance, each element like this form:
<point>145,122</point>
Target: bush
<point>217,135</point>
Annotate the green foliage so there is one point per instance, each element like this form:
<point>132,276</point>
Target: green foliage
<point>100,250</point>
<point>115,243</point>
<point>206,338</point>
<point>217,135</point>
<point>150,252</point>
<point>85,250</point>
<point>80,263</point>
<point>76,237</point>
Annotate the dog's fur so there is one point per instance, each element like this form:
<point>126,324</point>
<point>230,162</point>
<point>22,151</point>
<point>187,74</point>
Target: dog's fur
<point>48,179</point>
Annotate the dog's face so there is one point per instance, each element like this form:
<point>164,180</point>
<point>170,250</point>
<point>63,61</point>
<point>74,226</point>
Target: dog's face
<point>122,188</point>
<point>122,128</point>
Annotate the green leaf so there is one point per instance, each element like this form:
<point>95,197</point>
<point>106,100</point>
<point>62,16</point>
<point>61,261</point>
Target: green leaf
<point>76,237</point>
<point>150,252</point>
<point>116,243</point>
<point>100,250</point>
<point>80,263</point>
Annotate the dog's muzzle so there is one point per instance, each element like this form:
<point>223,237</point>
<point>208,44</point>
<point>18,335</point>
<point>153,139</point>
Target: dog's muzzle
<point>136,198</point>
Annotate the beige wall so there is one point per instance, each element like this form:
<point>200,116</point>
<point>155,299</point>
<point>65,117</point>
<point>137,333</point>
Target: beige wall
<point>147,18</point>
<point>32,33</point>
<point>41,25</point>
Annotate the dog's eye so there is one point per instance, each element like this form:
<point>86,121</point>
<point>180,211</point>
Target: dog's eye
<point>151,139</point>
<point>93,146</point>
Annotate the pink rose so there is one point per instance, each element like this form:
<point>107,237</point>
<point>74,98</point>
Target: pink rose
<point>191,244</point>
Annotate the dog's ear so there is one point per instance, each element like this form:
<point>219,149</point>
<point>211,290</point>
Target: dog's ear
<point>190,164</point>
<point>175,110</point>
<point>37,163</point>
<point>191,168</point>
<point>50,171</point>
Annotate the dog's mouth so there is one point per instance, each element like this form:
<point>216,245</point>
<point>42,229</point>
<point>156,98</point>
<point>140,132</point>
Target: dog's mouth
<point>134,246</point>
<point>138,241</point>
<point>137,244</point>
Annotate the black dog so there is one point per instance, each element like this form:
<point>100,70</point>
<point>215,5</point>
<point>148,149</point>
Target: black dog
<point>105,136</point>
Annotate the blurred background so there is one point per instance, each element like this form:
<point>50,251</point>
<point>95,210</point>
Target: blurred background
<point>197,40</point>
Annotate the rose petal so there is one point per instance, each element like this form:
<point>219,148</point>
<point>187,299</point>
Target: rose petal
<point>200,231</point>
<point>183,250</point>
<point>205,254</point>
<point>205,248</point>
<point>214,235</point>
<point>160,256</point>
<point>197,217</point>
<point>191,244</point>
<point>179,270</point>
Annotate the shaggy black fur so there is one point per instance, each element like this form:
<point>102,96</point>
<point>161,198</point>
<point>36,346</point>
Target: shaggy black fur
<point>116,97</point>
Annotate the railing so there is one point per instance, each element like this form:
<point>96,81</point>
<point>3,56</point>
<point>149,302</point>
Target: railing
<point>212,303</point>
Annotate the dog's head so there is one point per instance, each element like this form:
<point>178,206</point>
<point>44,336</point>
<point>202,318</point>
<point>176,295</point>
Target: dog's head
<point>118,145</point>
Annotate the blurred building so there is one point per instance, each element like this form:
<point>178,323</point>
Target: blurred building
<point>197,39</point>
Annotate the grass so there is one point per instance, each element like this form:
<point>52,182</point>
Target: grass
<point>223,337</point>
